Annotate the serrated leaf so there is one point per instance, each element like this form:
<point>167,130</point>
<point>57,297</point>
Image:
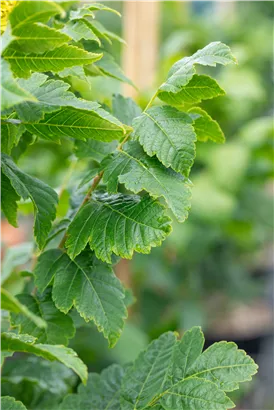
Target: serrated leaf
<point>196,393</point>
<point>119,224</point>
<point>96,124</point>
<point>77,71</point>
<point>11,92</point>
<point>59,326</point>
<point>26,139</point>
<point>80,29</point>
<point>9,200</point>
<point>100,393</point>
<point>225,365</point>
<point>43,197</point>
<point>200,87</point>
<point>81,12</point>
<point>12,342</point>
<point>9,403</point>
<point>205,127</point>
<point>51,95</point>
<point>148,373</point>
<point>183,70</point>
<point>125,109</point>
<point>96,150</point>
<point>13,304</point>
<point>53,60</point>
<point>32,11</point>
<point>89,285</point>
<point>137,171</point>
<point>168,134</point>
<point>37,38</point>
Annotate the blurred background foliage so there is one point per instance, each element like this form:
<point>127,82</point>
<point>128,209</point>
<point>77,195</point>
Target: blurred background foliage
<point>215,270</point>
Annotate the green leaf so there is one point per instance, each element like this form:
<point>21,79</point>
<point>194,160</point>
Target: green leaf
<point>12,342</point>
<point>25,141</point>
<point>16,256</point>
<point>9,403</point>
<point>80,29</point>
<point>51,95</point>
<point>96,150</point>
<point>37,38</point>
<point>26,12</point>
<point>137,171</point>
<point>59,326</point>
<point>186,352</point>
<point>9,200</point>
<point>81,12</point>
<point>100,393</point>
<point>108,66</point>
<point>125,109</point>
<point>11,92</point>
<point>225,365</point>
<point>119,224</point>
<point>102,7</point>
<point>13,304</point>
<point>89,285</point>
<point>200,87</point>
<point>10,134</point>
<point>53,60</point>
<point>183,70</point>
<point>168,134</point>
<point>102,32</point>
<point>148,373</point>
<point>205,127</point>
<point>39,382</point>
<point>77,71</point>
<point>196,393</point>
<point>6,38</point>
<point>96,124</point>
<point>43,197</point>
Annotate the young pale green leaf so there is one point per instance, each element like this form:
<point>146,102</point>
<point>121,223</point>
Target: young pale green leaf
<point>9,403</point>
<point>51,95</point>
<point>59,326</point>
<point>43,197</point>
<point>200,87</point>
<point>101,392</point>
<point>26,12</point>
<point>225,365</point>
<point>125,109</point>
<point>205,127</point>
<point>89,285</point>
<point>119,224</point>
<point>96,124</point>
<point>80,29</point>
<point>9,200</point>
<point>38,38</point>
<point>11,342</point>
<point>168,134</point>
<point>137,171</point>
<point>11,92</point>
<point>13,304</point>
<point>196,393</point>
<point>53,60</point>
<point>183,70</point>
<point>6,38</point>
<point>96,150</point>
<point>81,12</point>
<point>148,373</point>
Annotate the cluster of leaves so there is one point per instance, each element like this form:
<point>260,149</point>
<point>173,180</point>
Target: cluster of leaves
<point>122,206</point>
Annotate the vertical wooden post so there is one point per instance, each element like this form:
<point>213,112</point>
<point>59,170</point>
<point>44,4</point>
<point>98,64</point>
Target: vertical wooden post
<point>225,10</point>
<point>140,56</point>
